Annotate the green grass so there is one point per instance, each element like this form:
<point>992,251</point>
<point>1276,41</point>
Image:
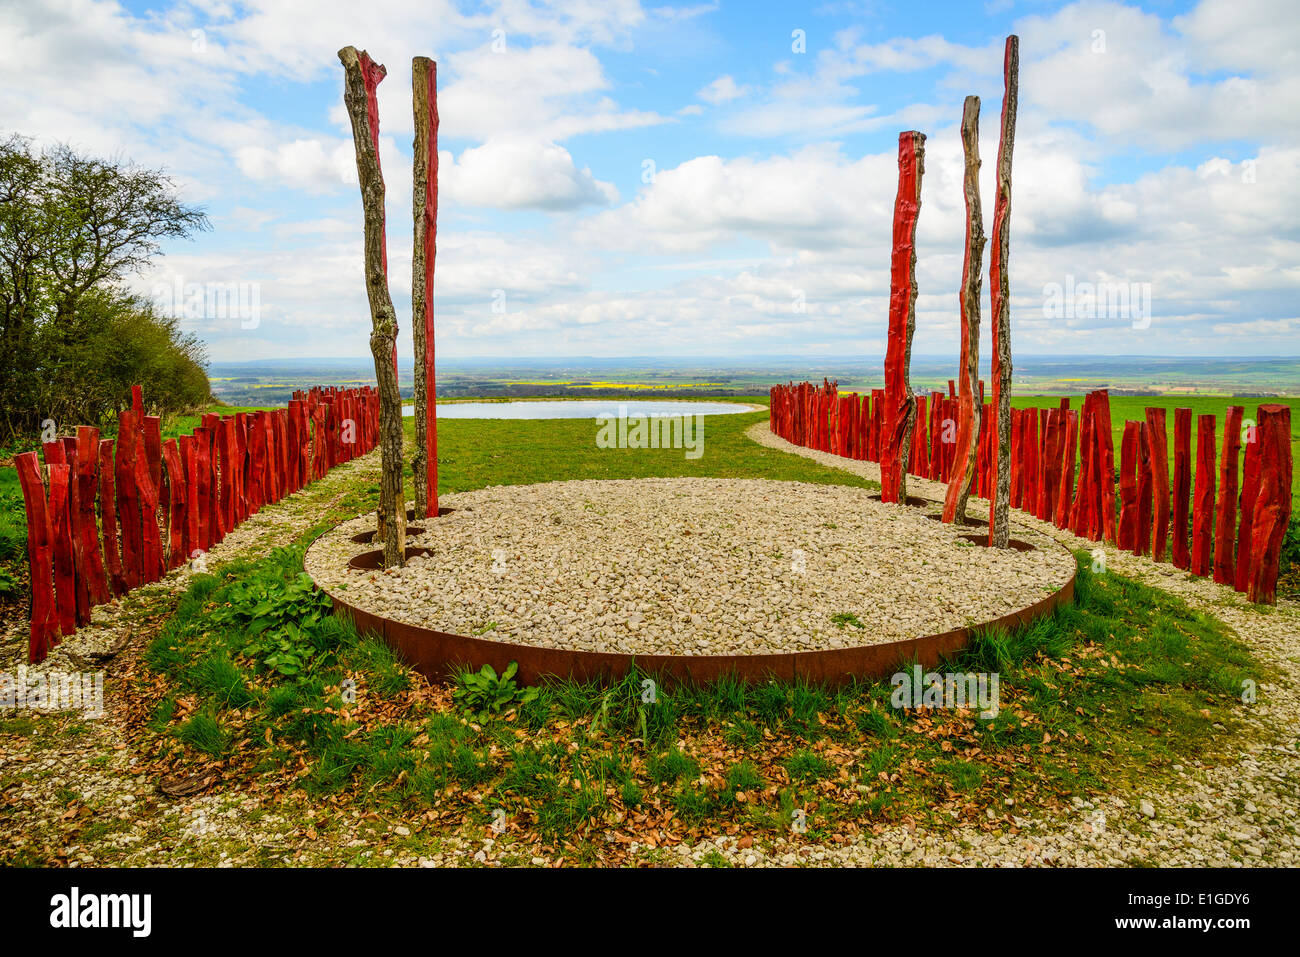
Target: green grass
<point>473,453</point>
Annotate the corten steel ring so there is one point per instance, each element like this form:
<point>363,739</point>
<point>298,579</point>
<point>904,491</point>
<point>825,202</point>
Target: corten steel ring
<point>437,654</point>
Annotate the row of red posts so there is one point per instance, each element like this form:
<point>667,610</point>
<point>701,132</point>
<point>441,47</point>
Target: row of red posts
<point>104,517</point>
<point>1236,536</point>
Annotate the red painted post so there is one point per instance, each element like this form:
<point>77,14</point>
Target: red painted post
<point>1128,492</point>
<point>43,627</point>
<point>1142,544</point>
<point>1226,517</point>
<point>81,593</point>
<point>1105,465</point>
<point>1065,484</point>
<point>1030,502</point>
<point>65,584</point>
<point>920,439</point>
<point>108,519</point>
<point>128,497</point>
<point>1249,496</point>
<point>151,431</point>
<point>1203,504</point>
<point>1015,463</point>
<point>190,460</point>
<point>88,529</point>
<point>203,465</point>
<point>1079,516</point>
<point>1273,504</point>
<point>151,553</point>
<point>175,478</point>
<point>902,320</point>
<point>1182,556</point>
<point>1158,435</point>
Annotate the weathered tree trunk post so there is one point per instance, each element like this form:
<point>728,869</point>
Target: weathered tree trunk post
<point>902,320</point>
<point>954,505</point>
<point>1158,433</point>
<point>1000,300</point>
<point>361,76</point>
<point>424,88</point>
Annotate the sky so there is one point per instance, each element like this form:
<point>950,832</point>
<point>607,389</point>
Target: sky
<point>712,179</point>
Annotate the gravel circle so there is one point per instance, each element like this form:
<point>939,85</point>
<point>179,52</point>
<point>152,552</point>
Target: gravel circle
<point>691,567</point>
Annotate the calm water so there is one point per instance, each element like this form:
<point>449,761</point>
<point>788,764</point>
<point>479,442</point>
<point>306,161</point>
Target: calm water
<point>577,409</point>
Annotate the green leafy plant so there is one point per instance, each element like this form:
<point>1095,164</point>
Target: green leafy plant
<point>281,616</point>
<point>484,693</point>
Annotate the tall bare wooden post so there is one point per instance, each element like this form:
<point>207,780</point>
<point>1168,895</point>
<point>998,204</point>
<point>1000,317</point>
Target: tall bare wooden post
<point>968,422</point>
<point>901,413</point>
<point>1000,301</point>
<point>361,76</point>
<point>424,89</point>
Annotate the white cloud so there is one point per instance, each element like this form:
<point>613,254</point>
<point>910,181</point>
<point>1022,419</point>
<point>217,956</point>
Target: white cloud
<point>308,164</point>
<point>517,172</point>
<point>722,90</point>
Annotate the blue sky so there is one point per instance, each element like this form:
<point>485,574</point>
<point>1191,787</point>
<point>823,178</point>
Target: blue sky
<point>1156,155</point>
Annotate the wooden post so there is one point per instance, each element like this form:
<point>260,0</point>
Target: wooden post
<point>968,302</point>
<point>1142,546</point>
<point>1182,556</point>
<point>1158,435</point>
<point>902,320</point>
<point>128,498</point>
<point>88,529</point>
<point>1065,487</point>
<point>1249,495</point>
<point>108,519</point>
<point>43,628</point>
<point>1128,495</point>
<point>1273,504</point>
<point>1226,517</point>
<point>1203,504</point>
<point>362,75</point>
<point>65,575</point>
<point>1000,300</point>
<point>1105,467</point>
<point>176,494</point>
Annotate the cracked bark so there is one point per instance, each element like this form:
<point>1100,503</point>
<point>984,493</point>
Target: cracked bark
<point>967,446</point>
<point>361,75</point>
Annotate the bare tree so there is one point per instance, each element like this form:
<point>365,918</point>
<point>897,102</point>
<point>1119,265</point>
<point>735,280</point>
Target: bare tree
<point>424,89</point>
<point>361,75</point>
<point>1000,300</point>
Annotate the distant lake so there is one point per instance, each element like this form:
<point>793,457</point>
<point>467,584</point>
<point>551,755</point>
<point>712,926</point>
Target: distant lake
<point>578,409</point>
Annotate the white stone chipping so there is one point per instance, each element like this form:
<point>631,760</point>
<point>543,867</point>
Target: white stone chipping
<point>690,566</point>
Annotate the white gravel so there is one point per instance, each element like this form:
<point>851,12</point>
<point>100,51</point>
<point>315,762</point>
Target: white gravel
<point>689,566</point>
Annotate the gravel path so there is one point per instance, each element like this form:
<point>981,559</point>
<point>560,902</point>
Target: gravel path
<point>690,566</point>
